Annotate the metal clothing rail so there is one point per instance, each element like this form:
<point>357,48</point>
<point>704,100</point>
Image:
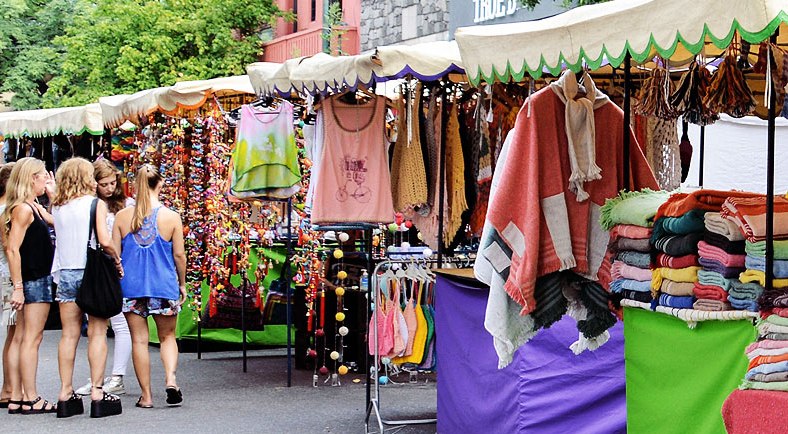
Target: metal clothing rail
<point>373,402</point>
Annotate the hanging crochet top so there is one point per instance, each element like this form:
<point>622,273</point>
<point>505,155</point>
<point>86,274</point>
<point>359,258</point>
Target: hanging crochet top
<point>354,184</point>
<point>148,264</point>
<point>265,157</point>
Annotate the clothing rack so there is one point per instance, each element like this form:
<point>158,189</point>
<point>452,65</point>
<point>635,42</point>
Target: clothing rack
<point>244,287</point>
<point>373,402</point>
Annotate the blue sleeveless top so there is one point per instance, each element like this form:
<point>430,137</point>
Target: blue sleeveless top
<point>148,264</point>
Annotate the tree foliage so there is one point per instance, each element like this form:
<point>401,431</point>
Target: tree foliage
<point>530,4</point>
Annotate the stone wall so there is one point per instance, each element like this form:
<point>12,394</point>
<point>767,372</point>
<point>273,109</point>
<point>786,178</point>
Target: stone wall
<point>392,21</point>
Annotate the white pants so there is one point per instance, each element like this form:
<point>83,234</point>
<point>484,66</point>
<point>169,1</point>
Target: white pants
<point>122,351</point>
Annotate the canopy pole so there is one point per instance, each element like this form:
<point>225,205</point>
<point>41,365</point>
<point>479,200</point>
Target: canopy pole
<point>702,154</point>
<point>770,177</point>
<point>627,117</point>
<point>442,173</point>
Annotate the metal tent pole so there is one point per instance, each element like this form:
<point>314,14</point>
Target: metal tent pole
<point>770,178</point>
<point>442,176</point>
<point>702,154</point>
<point>627,117</point>
<point>287,280</point>
<point>244,288</point>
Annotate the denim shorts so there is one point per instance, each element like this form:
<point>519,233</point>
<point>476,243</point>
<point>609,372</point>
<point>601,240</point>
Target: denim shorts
<point>69,283</point>
<point>147,306</point>
<point>39,290</point>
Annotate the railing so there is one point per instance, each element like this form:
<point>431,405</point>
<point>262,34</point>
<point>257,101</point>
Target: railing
<point>307,43</point>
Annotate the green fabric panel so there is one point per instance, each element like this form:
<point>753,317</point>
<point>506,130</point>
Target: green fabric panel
<point>272,335</point>
<point>677,377</point>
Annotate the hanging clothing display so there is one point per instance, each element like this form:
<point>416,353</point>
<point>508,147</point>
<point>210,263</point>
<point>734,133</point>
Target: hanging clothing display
<point>663,153</point>
<point>544,213</point>
<point>313,136</point>
<point>456,203</point>
<point>353,184</point>
<point>428,222</point>
<point>265,157</point>
<point>408,174</point>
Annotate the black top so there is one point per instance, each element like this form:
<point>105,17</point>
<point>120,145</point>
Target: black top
<point>36,251</point>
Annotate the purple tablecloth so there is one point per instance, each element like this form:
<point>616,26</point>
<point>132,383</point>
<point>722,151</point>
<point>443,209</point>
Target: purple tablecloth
<point>546,389</point>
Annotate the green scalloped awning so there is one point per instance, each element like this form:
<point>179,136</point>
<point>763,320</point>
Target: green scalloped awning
<point>605,33</point>
<point>50,122</point>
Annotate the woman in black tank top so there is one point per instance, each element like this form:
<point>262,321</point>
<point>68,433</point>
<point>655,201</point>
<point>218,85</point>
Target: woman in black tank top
<point>29,249</point>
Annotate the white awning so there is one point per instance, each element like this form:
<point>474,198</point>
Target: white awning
<point>50,122</point>
<point>605,32</point>
<point>270,78</point>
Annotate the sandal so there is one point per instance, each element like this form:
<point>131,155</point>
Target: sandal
<point>17,410</point>
<point>108,405</point>
<point>47,407</point>
<point>4,402</point>
<point>174,396</point>
<point>139,404</point>
<point>70,407</point>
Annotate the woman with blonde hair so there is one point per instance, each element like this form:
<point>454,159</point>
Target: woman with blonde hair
<point>11,378</point>
<point>110,190</point>
<point>150,238</point>
<point>71,209</point>
<point>28,247</point>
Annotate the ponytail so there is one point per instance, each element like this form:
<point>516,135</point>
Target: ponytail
<point>148,178</point>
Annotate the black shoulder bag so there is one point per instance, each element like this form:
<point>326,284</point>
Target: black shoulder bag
<point>99,294</point>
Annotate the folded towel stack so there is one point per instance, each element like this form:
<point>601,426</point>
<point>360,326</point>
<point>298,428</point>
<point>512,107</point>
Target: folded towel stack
<point>768,367</point>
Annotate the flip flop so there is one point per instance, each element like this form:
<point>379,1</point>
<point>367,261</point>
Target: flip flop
<point>174,396</point>
<point>140,405</point>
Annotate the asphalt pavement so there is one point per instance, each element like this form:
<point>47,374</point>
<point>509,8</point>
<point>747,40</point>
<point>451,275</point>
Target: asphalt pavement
<point>220,398</point>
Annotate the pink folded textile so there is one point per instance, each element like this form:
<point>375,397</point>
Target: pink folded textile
<point>749,214</point>
<point>629,231</point>
<point>766,352</point>
<point>621,270</point>
<point>681,289</point>
<point>710,292</point>
<point>781,311</point>
<point>706,250</point>
<point>711,305</point>
<point>767,343</point>
<point>665,260</point>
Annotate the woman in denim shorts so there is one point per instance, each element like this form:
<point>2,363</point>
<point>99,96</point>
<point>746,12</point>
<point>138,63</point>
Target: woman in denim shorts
<point>71,209</point>
<point>29,251</point>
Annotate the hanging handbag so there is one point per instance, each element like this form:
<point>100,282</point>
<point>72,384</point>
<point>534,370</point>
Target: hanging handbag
<point>99,293</point>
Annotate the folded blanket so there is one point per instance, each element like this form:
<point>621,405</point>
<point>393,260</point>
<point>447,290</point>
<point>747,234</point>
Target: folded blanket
<point>676,302</point>
<point>781,311</point>
<point>767,368</point>
<point>710,305</point>
<point>766,352</point>
<point>750,215</point>
<point>688,274</point>
<point>771,378</point>
<point>758,248</point>
<point>741,304</point>
<point>718,224</point>
<point>632,207</point>
<point>767,344</point>
<point>766,328</point>
<point>633,244</point>
<point>717,267</point>
<point>707,277</point>
<point>643,297</point>
<point>706,250</point>
<point>717,240</point>
<point>664,260</point>
<point>760,360</point>
<point>760,278</point>
<point>681,289</point>
<point>635,259</point>
<point>774,297</point>
<point>620,285</point>
<point>777,319</point>
<point>744,291</point>
<point>630,231</point>
<point>759,263</point>
<point>688,223</point>
<point>709,292</point>
<point>709,200</point>
<point>622,270</point>
<point>776,336</point>
<point>679,245</point>
<point>757,385</point>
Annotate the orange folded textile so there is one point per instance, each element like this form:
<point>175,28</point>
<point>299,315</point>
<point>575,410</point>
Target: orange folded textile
<point>710,200</point>
<point>749,214</point>
<point>761,360</point>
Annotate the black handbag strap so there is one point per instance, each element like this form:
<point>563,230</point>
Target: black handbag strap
<point>92,231</point>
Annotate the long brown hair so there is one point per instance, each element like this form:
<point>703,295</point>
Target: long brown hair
<point>148,178</point>
<point>74,179</point>
<point>104,169</point>
<point>5,173</point>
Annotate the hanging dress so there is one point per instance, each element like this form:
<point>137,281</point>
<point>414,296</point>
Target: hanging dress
<point>384,326</point>
<point>353,184</point>
<point>265,157</point>
<point>419,341</point>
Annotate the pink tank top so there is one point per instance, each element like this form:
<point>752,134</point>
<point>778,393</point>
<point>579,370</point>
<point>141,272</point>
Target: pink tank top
<point>354,184</point>
<point>384,326</point>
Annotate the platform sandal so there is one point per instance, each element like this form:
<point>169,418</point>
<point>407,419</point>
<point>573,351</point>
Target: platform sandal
<point>70,407</point>
<point>108,405</point>
<point>17,410</point>
<point>45,409</point>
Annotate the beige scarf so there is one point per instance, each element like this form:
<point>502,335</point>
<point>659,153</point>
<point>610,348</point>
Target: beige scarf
<point>580,130</point>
